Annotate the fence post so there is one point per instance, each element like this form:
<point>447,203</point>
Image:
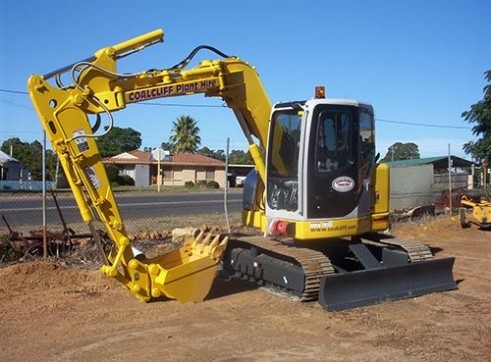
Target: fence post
<point>225,198</point>
<point>45,241</point>
<point>450,197</point>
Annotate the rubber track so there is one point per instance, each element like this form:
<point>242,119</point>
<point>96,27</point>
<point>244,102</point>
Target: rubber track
<point>314,263</point>
<point>416,250</point>
<point>317,265</point>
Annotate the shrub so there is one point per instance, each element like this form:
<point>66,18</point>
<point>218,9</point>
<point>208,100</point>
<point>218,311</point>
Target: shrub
<point>125,180</point>
<point>201,183</point>
<point>8,252</point>
<point>112,172</point>
<point>212,185</point>
<point>189,184</point>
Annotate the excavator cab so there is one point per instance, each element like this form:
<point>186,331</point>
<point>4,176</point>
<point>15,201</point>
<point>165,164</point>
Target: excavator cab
<point>321,153</point>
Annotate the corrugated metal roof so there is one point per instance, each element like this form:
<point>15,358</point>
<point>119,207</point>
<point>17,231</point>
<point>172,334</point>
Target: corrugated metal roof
<point>437,162</point>
<point>4,158</point>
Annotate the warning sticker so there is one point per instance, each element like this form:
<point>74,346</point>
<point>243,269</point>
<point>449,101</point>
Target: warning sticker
<point>82,143</point>
<point>92,176</point>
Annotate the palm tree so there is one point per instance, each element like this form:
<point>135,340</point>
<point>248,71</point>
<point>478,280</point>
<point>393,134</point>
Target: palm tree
<point>184,137</point>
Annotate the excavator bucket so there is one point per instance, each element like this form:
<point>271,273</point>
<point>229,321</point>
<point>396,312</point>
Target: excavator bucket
<point>371,286</point>
<point>186,274</point>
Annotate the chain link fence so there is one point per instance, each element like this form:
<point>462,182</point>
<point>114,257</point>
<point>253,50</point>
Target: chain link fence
<point>149,213</point>
<point>143,210</point>
<point>148,210</point>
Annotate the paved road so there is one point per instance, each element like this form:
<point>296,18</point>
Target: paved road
<point>27,210</point>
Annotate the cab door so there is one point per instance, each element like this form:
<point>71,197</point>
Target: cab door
<point>336,170</point>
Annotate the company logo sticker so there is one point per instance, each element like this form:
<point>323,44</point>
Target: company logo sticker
<point>343,184</point>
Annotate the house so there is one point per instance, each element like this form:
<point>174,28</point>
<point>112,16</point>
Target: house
<point>11,169</point>
<point>176,169</point>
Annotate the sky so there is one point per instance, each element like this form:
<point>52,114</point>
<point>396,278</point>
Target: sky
<point>420,63</point>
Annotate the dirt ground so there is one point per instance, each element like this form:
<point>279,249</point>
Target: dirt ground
<point>51,312</point>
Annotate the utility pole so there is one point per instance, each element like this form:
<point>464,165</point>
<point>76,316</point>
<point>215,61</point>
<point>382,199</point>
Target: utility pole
<point>159,176</point>
<point>157,155</point>
<point>484,176</point>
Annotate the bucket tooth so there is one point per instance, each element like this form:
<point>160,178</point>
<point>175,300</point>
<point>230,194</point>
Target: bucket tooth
<point>199,237</point>
<point>215,241</point>
<point>186,274</point>
<point>206,241</point>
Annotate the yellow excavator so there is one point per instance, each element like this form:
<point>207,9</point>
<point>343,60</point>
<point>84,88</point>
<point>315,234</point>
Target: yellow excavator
<point>317,193</point>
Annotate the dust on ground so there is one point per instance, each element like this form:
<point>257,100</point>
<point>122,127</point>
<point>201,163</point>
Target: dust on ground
<point>56,312</point>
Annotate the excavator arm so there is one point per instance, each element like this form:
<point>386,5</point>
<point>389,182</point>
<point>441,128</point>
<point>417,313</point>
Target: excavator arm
<point>185,274</point>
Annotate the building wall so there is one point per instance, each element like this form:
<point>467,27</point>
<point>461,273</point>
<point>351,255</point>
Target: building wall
<point>411,186</point>
<point>179,175</point>
<point>188,174</point>
<point>173,175</point>
<point>141,175</point>
<point>129,170</point>
<point>14,171</point>
<point>459,180</point>
<point>220,177</point>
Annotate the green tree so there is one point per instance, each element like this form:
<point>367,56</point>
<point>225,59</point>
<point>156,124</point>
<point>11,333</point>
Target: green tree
<point>185,135</point>
<point>401,151</point>
<point>480,116</point>
<point>167,146</point>
<point>217,155</point>
<point>31,156</point>
<point>119,140</point>
<point>239,157</point>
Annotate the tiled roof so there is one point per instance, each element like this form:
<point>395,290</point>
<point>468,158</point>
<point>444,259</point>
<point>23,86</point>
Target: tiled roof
<point>192,158</point>
<point>144,157</point>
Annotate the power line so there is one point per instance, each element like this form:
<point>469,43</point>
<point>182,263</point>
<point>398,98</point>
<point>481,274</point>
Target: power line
<point>140,104</point>
<point>12,91</point>
<point>180,105</point>
<point>421,124</point>
<point>222,106</point>
<point>16,104</point>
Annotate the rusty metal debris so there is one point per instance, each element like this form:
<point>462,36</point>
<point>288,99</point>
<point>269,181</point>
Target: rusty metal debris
<point>58,243</point>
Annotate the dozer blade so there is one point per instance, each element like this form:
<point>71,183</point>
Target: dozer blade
<point>360,288</point>
<point>186,274</point>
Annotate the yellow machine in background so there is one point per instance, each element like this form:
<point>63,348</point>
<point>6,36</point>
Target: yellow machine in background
<point>318,194</point>
<point>481,213</point>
